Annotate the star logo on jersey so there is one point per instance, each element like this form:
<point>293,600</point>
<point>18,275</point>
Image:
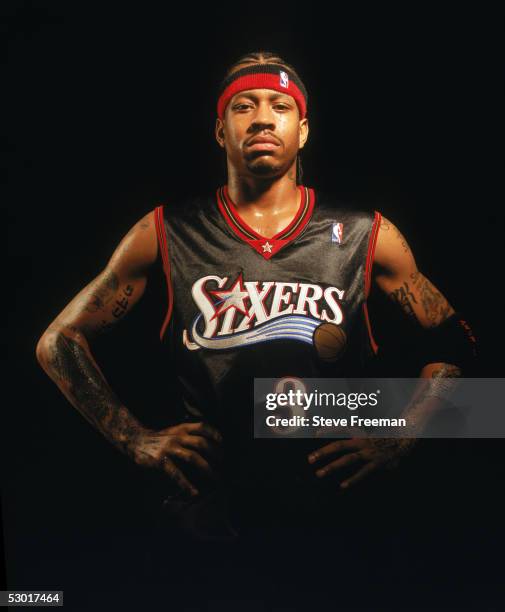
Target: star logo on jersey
<point>232,298</point>
<point>267,247</point>
<point>253,311</point>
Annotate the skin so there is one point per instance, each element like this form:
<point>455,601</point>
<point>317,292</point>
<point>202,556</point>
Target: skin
<point>262,184</point>
<point>64,353</point>
<point>395,273</point>
<point>263,187</point>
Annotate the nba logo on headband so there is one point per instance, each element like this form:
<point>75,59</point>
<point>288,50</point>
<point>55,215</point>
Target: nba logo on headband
<point>284,81</point>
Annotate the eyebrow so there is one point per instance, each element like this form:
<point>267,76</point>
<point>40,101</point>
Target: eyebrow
<point>272,96</point>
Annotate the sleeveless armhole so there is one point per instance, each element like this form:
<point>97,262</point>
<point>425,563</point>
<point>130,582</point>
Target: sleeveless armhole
<point>163,247</point>
<point>368,275</point>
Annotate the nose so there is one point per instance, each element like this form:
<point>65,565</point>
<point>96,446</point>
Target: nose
<point>264,118</point>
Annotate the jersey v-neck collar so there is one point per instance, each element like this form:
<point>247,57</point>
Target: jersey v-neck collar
<point>267,247</point>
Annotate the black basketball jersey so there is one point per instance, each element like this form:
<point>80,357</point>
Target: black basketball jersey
<point>242,306</point>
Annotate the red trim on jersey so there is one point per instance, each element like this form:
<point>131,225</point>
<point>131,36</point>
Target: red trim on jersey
<point>368,275</point>
<point>373,344</point>
<point>266,247</point>
<point>371,252</point>
<point>162,241</point>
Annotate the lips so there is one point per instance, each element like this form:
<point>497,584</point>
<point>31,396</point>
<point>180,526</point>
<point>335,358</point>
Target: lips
<point>263,143</point>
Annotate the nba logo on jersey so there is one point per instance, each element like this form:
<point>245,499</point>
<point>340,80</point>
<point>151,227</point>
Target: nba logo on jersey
<point>284,81</point>
<point>337,233</point>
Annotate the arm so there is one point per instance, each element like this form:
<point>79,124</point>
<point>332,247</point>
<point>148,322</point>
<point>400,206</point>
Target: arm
<point>396,274</point>
<point>64,352</point>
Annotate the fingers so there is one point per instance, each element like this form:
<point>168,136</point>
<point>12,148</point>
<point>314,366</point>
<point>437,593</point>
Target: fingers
<point>178,477</point>
<point>197,429</point>
<point>360,474</point>
<point>339,446</point>
<point>193,458</point>
<point>203,445</point>
<point>345,461</point>
<point>204,429</point>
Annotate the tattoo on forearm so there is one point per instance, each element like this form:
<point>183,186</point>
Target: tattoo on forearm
<point>447,371</point>
<point>73,367</point>
<point>404,296</point>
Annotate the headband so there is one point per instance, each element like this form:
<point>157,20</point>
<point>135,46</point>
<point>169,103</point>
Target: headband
<point>262,76</point>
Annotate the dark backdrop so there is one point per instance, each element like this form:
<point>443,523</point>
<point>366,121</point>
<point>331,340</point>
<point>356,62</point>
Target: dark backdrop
<point>112,111</point>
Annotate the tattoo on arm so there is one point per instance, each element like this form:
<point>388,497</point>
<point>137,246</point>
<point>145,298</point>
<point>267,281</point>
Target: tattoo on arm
<point>103,297</point>
<point>122,304</point>
<point>74,370</point>
<point>404,296</point>
<point>385,224</point>
<point>447,371</point>
<point>103,293</point>
<point>401,238</point>
<point>435,306</point>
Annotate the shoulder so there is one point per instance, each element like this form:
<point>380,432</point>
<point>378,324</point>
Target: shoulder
<point>392,250</point>
<point>138,249</point>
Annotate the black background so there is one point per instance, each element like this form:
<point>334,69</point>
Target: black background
<point>112,111</point>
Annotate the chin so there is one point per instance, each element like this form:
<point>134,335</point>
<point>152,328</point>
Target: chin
<point>264,167</point>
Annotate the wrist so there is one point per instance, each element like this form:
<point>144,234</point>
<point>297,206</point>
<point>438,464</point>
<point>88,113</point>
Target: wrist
<point>129,437</point>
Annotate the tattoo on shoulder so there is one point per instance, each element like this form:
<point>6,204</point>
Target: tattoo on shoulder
<point>385,224</point>
<point>401,238</point>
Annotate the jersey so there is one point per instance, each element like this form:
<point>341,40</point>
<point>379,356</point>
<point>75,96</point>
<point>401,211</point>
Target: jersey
<point>241,305</point>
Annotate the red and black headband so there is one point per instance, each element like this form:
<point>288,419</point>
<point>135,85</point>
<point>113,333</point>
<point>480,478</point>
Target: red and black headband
<point>262,76</point>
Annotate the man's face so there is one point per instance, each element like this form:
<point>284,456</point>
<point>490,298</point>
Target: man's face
<point>261,113</point>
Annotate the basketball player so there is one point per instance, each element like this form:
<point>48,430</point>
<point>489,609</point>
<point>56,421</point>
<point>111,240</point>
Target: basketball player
<point>260,276</point>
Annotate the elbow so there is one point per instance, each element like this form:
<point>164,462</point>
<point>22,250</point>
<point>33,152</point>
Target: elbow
<point>41,349</point>
<point>44,346</point>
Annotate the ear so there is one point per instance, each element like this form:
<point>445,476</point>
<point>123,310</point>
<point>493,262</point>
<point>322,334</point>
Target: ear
<point>304,132</point>
<point>220,132</point>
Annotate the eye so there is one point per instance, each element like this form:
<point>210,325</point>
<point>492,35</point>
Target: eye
<point>240,106</point>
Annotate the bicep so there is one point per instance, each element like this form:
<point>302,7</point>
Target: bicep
<point>111,295</point>
<point>395,273</point>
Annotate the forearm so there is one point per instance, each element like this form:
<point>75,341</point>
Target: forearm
<point>430,396</point>
<point>65,355</point>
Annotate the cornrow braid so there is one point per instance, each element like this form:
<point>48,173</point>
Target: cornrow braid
<point>260,57</point>
<point>266,57</point>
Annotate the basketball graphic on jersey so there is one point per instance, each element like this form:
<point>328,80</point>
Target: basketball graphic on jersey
<point>330,342</point>
<point>236,313</point>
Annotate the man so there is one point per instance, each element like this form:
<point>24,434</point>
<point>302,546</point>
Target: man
<point>254,272</point>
